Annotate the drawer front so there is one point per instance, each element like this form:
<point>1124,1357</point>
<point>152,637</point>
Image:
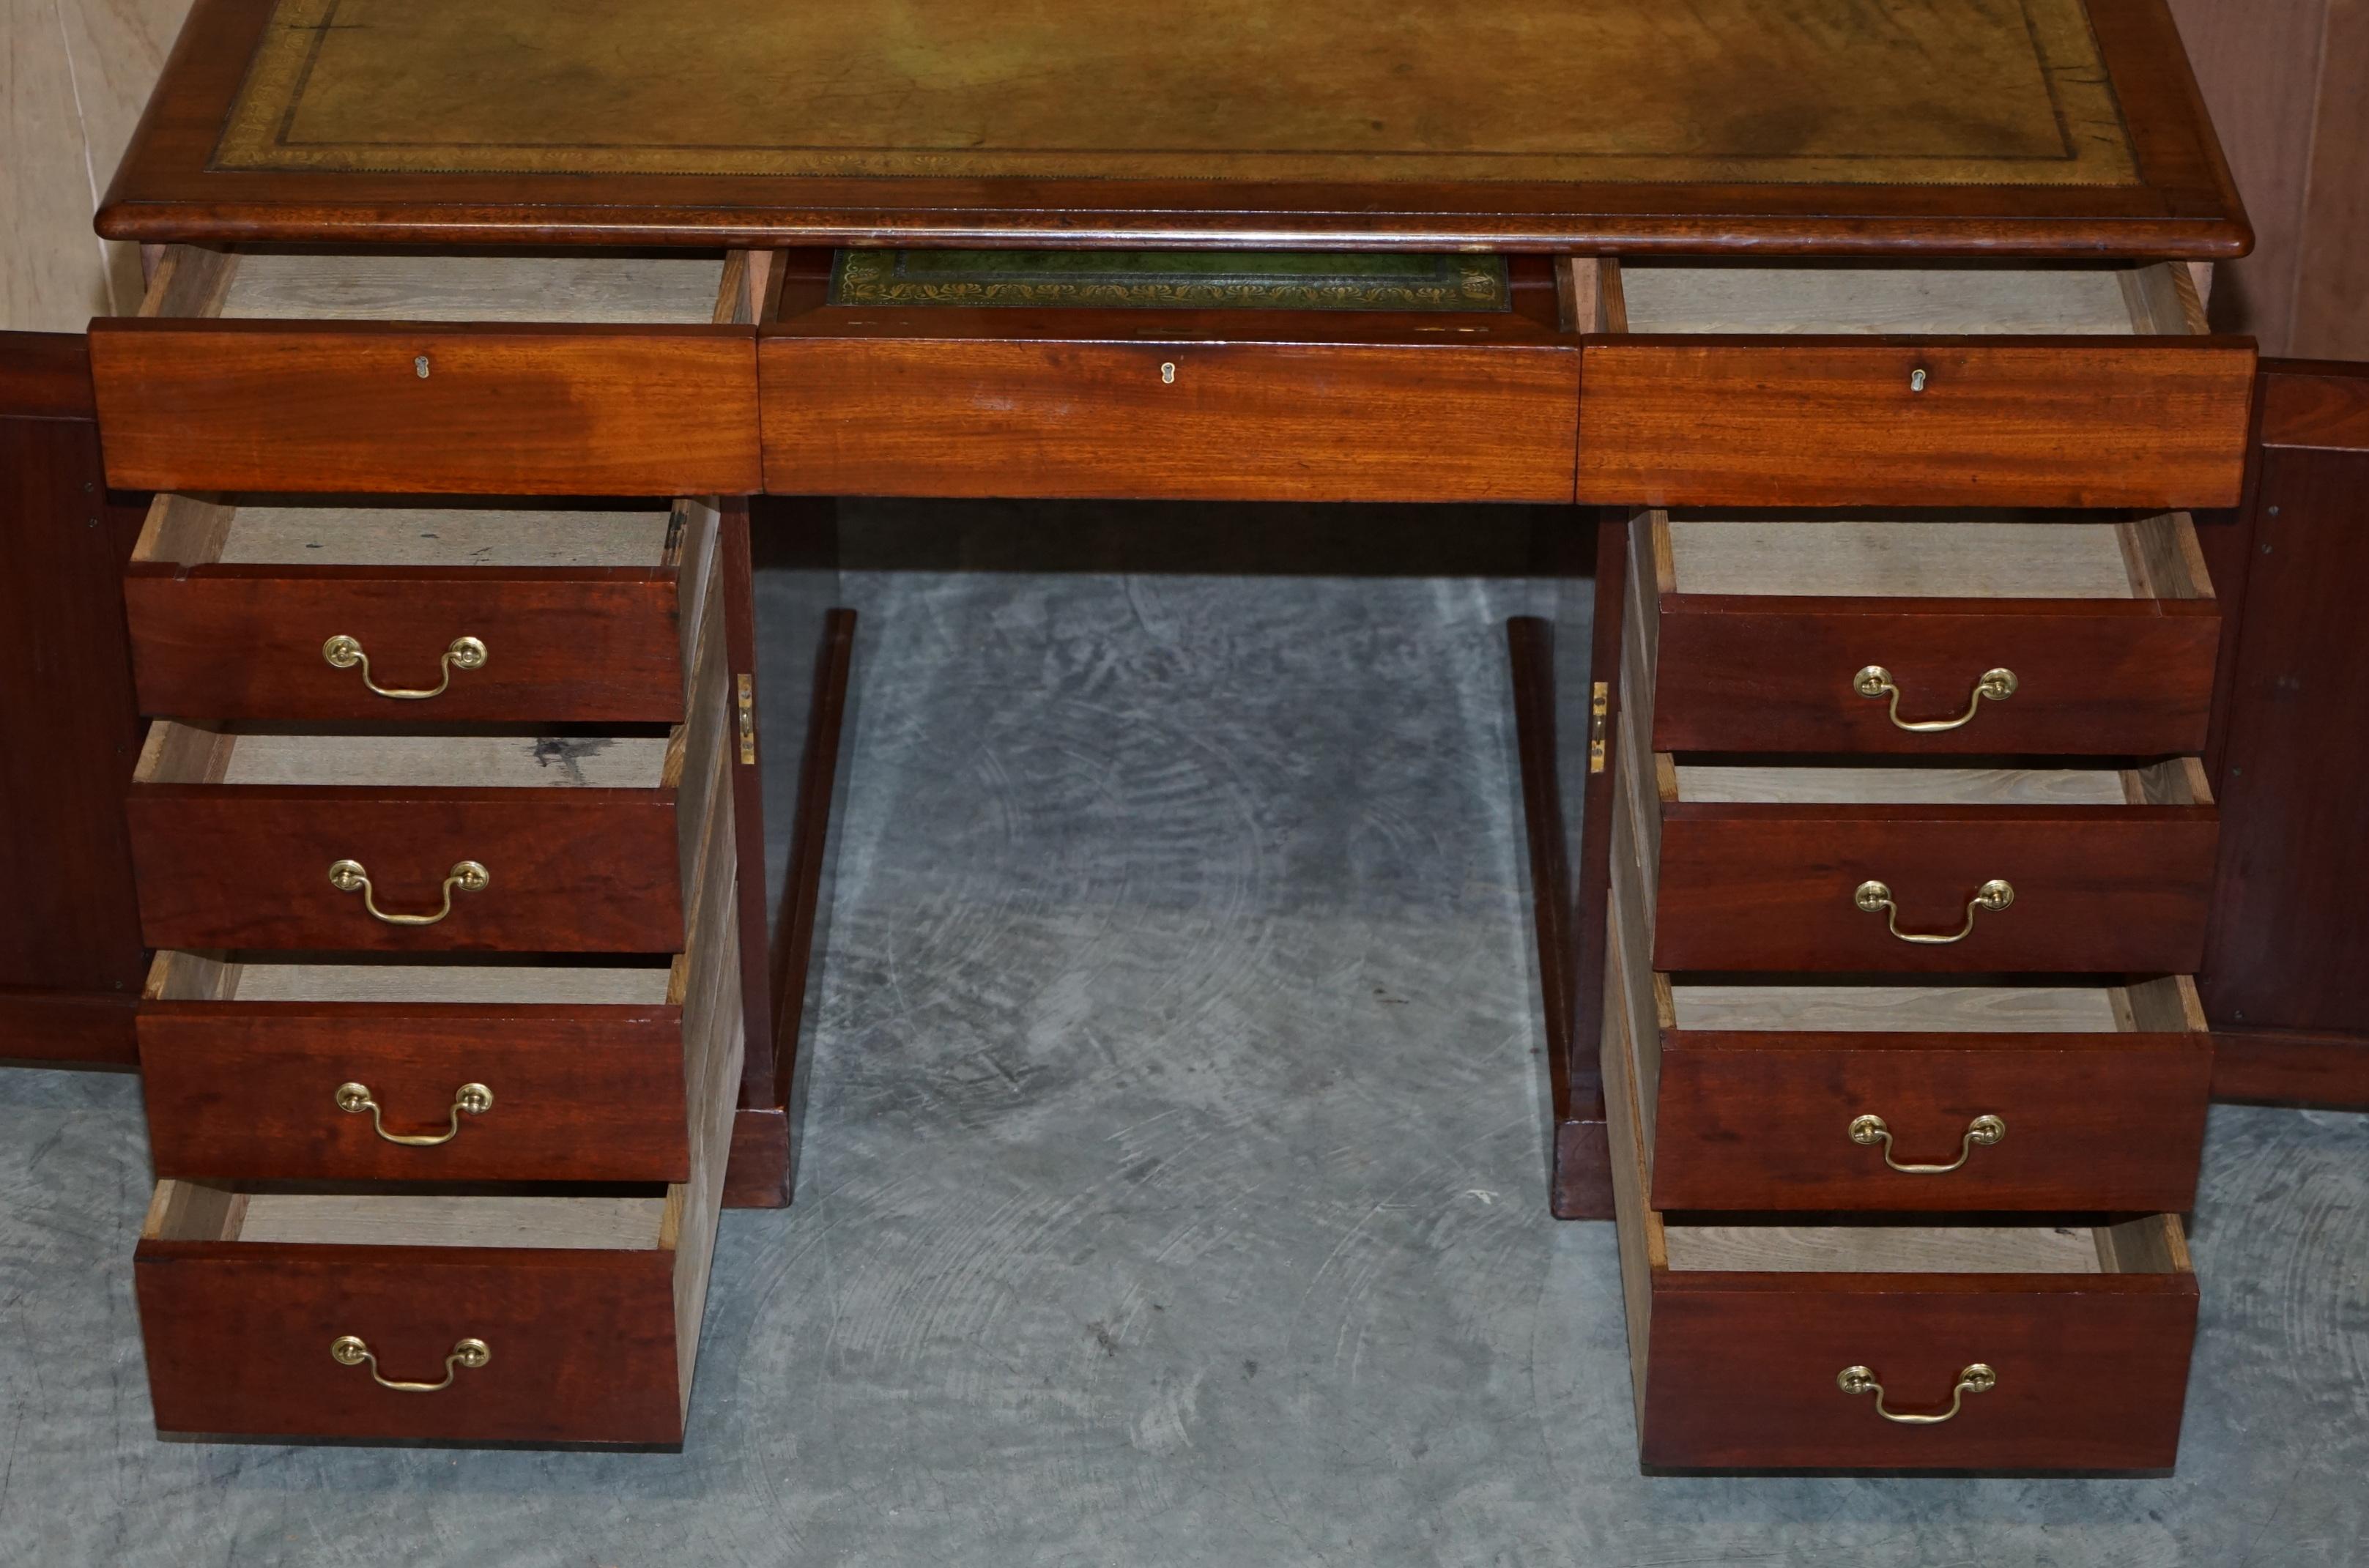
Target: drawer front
<point>236,642</point>
<point>250,1091</point>
<point>248,866</point>
<point>1741,673</point>
<point>1764,1121</point>
<point>1194,420</point>
<point>1770,888</point>
<point>1685,420</point>
<point>397,408</point>
<point>583,1342</point>
<point>2092,1370</point>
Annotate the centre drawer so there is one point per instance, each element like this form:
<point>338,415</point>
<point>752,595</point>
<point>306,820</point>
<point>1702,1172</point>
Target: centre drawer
<point>1843,384</point>
<point>1243,377</point>
<point>261,836</point>
<point>376,608</point>
<point>403,374</point>
<point>1931,636</point>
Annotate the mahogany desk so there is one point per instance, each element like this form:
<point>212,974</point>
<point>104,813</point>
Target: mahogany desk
<point>1843,332</point>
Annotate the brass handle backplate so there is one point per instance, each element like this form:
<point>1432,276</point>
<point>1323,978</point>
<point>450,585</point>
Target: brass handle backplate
<point>472,1099</point>
<point>342,652</point>
<point>1875,898</point>
<point>468,875</point>
<point>1977,1379</point>
<point>1875,681</point>
<point>1868,1131</point>
<point>346,1350</point>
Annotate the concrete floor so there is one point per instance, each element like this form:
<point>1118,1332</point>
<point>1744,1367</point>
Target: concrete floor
<point>1175,1190</point>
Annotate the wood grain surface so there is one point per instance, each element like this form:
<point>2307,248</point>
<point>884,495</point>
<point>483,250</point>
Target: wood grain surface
<point>247,867</point>
<point>1203,419</point>
<point>1758,1120</point>
<point>508,410</point>
<point>581,1093</point>
<point>1701,420</point>
<point>2098,889</point>
<point>1745,672</point>
<point>237,1336</point>
<point>595,645</point>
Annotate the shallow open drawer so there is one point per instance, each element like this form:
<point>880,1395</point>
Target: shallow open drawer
<point>399,373</point>
<point>1843,384</point>
<point>1838,867</point>
<point>417,610</point>
<point>1253,377</point>
<point>1984,633</point>
<point>1846,1344</point>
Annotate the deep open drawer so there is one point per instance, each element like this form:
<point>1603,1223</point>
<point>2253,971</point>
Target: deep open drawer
<point>1842,383</point>
<point>400,374</point>
<point>1454,380</point>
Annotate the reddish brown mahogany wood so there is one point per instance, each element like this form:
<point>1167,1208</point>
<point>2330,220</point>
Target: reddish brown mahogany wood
<point>1184,417</point>
<point>247,1090</point>
<point>1769,887</point>
<point>278,405</point>
<point>1741,672</point>
<point>70,950</point>
<point>2092,1370</point>
<point>239,1335</point>
<point>1753,1121</point>
<point>2283,978</point>
<point>248,866</point>
<point>1709,421</point>
<point>2183,203</point>
<point>772,1106</point>
<point>2291,1066</point>
<point>226,642</point>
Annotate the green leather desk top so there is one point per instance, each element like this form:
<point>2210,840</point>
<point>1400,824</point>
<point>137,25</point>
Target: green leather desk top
<point>1222,122</point>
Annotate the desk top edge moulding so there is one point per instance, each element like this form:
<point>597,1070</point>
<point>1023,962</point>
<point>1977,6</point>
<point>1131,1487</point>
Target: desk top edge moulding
<point>1945,127</point>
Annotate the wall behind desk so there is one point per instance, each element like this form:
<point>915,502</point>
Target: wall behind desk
<point>2287,82</point>
<point>77,74</point>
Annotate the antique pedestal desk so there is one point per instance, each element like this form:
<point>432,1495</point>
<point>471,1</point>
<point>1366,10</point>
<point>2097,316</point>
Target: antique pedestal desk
<point>1932,734</point>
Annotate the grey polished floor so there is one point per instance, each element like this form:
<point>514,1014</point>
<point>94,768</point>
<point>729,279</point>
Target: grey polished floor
<point>1174,1189</point>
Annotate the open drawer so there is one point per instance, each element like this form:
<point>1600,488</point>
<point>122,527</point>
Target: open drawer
<point>1251,377</point>
<point>1874,1095</point>
<point>537,1319</point>
<point>416,610</point>
<point>1984,633</point>
<point>1862,384</point>
<point>1836,868</point>
<point>404,373</point>
<point>257,836</point>
<point>323,1069</point>
<point>1845,1343</point>
<point>287,1300</point>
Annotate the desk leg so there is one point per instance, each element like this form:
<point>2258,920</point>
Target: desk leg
<point>1566,792</point>
<point>807,659</point>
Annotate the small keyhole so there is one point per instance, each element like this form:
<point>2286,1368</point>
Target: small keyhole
<point>420,365</point>
<point>1168,374</point>
<point>1915,380</point>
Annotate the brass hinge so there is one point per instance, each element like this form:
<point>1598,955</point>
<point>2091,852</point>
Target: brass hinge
<point>748,718</point>
<point>1599,702</point>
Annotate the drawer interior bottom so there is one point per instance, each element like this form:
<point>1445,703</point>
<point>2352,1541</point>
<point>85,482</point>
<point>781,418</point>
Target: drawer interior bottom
<point>191,1211</point>
<point>2147,1245</point>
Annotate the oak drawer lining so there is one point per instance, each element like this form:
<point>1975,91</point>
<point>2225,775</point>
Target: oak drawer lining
<point>1844,297</point>
<point>177,752</point>
<point>595,289</point>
